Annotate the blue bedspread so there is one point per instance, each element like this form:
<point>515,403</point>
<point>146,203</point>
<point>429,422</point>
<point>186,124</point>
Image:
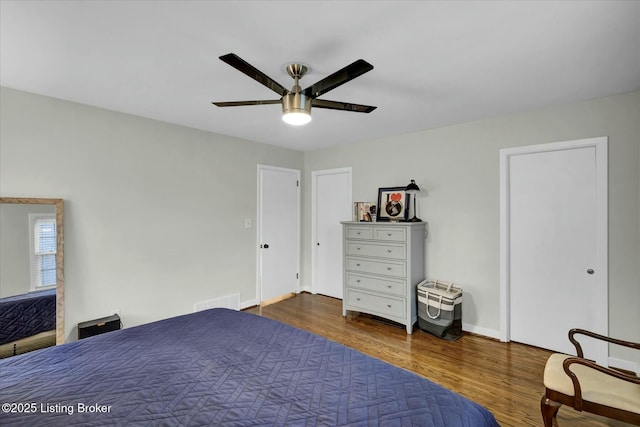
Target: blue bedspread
<point>22,316</point>
<point>221,367</point>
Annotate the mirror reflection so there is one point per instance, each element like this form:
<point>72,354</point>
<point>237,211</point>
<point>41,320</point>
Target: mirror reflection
<point>31,274</point>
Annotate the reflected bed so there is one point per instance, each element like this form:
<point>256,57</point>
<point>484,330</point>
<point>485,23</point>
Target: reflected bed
<point>27,321</point>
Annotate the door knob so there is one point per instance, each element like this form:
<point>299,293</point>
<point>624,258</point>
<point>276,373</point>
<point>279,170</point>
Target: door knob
<point>266,246</point>
<point>590,271</point>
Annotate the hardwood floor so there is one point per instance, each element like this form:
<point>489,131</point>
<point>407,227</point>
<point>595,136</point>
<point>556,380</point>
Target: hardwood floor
<point>506,378</point>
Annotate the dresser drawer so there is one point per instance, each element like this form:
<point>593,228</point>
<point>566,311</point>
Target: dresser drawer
<point>376,304</point>
<point>377,284</point>
<point>356,232</point>
<point>388,250</point>
<point>389,268</point>
<point>391,234</point>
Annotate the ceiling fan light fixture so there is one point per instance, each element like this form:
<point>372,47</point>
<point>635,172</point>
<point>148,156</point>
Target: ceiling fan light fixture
<point>296,118</point>
<point>296,109</point>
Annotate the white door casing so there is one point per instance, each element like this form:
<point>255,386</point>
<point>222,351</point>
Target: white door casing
<point>331,201</point>
<point>278,231</point>
<point>554,244</point>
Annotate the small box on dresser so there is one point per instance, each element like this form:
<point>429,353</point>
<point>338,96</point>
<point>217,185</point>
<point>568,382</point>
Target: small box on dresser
<point>383,263</point>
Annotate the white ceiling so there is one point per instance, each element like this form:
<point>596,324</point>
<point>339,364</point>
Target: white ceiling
<point>436,63</point>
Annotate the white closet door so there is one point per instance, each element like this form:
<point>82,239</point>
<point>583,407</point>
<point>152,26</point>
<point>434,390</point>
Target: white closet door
<point>279,231</point>
<point>332,201</point>
<point>557,278</point>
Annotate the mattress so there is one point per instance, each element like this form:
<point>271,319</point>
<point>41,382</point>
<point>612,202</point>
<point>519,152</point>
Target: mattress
<point>221,367</point>
<point>24,315</point>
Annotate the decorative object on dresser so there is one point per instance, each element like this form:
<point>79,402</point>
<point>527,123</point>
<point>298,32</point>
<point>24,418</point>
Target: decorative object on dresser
<point>412,190</point>
<point>383,263</point>
<point>364,211</point>
<point>392,204</point>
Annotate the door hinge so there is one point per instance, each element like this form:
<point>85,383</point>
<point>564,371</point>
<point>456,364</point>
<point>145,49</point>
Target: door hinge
<point>296,275</point>
<point>297,183</point>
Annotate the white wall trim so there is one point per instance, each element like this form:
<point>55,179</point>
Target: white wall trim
<point>627,365</point>
<point>600,145</point>
<point>249,303</point>
<point>479,330</point>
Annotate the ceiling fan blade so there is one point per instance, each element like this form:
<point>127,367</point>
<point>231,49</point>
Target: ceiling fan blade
<point>338,78</point>
<point>344,106</point>
<point>243,66</point>
<point>243,103</point>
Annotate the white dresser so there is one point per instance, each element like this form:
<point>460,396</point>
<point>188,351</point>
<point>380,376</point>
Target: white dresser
<point>383,263</point>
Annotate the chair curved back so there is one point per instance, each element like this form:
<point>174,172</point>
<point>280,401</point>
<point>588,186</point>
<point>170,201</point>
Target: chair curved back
<point>585,386</point>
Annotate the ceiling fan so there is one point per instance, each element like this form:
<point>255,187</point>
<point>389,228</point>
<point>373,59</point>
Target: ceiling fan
<point>297,102</point>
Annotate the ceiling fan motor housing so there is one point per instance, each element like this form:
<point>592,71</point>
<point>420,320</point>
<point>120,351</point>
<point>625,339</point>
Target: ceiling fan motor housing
<point>296,103</point>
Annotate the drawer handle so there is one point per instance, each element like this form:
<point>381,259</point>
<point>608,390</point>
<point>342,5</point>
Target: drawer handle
<point>358,233</point>
<point>389,286</point>
<point>357,299</point>
<point>389,305</point>
<point>389,251</point>
<point>389,268</point>
<point>389,234</point>
<point>358,265</point>
<point>357,280</point>
<point>357,249</point>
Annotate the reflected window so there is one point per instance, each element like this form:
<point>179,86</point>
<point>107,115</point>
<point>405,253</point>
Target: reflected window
<point>43,253</point>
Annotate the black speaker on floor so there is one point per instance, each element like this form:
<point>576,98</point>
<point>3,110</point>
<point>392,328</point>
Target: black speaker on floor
<point>98,326</point>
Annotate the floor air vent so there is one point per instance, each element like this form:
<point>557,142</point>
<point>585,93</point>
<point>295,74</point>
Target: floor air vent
<point>229,301</point>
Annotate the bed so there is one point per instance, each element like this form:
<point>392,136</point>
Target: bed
<point>27,321</point>
<point>221,367</point>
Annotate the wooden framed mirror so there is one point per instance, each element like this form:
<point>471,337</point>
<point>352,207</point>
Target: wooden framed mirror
<point>37,205</point>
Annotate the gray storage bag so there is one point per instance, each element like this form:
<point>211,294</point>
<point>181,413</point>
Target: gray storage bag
<point>440,309</point>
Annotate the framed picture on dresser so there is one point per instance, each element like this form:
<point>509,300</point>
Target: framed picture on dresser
<point>393,204</point>
<point>364,211</point>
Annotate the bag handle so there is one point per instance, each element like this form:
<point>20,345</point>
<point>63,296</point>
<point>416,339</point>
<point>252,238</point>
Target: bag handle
<point>439,306</point>
<point>448,285</point>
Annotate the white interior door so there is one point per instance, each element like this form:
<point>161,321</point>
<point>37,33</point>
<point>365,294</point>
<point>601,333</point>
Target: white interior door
<point>331,195</point>
<point>556,272</point>
<point>278,231</point>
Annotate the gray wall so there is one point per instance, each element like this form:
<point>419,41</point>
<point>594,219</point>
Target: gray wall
<point>154,213</point>
<point>458,167</point>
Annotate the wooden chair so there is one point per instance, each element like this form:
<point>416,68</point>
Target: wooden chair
<point>586,386</point>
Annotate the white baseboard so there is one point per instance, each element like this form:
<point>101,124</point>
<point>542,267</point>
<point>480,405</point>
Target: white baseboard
<point>306,289</point>
<point>250,303</point>
<point>491,333</point>
<point>613,362</point>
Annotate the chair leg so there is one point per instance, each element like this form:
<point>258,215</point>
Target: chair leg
<point>549,410</point>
